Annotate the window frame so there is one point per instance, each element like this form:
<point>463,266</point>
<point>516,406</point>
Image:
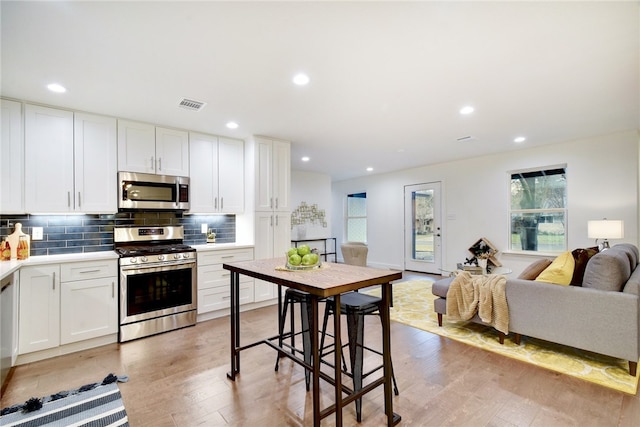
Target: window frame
<point>538,212</point>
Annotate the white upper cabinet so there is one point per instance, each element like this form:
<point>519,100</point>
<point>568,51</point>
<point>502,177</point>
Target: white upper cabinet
<point>145,148</point>
<point>273,174</point>
<point>217,174</point>
<point>49,183</point>
<point>67,173</point>
<point>95,163</point>
<point>11,158</point>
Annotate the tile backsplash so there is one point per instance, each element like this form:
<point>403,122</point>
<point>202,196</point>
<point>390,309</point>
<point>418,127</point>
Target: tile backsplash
<point>66,234</point>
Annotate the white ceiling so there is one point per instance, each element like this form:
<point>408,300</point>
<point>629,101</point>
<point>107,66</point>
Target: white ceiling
<point>387,78</point>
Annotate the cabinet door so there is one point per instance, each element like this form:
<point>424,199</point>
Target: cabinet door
<point>263,249</point>
<point>49,165</point>
<point>263,174</point>
<point>136,147</point>
<point>172,152</point>
<point>39,327</point>
<point>281,175</point>
<point>11,158</point>
<point>203,169</point>
<point>95,164</point>
<point>231,175</point>
<point>89,309</point>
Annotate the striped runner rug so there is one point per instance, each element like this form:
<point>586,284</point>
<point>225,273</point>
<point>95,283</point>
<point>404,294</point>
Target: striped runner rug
<point>99,406</point>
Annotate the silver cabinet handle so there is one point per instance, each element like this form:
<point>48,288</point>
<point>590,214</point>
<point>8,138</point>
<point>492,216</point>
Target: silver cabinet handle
<point>271,203</point>
<point>79,200</point>
<point>89,271</point>
<point>68,198</point>
<point>113,290</point>
<point>276,203</point>
<point>153,164</point>
<point>159,163</point>
<point>271,218</point>
<point>276,220</point>
<point>54,280</point>
<point>215,206</point>
<point>221,203</point>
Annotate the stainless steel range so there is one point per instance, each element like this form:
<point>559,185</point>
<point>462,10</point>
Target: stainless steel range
<point>158,288</point>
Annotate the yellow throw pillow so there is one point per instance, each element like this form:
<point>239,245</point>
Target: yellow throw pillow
<point>560,271</point>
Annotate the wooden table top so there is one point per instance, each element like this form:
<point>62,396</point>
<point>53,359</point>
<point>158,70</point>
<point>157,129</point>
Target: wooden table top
<point>329,280</point>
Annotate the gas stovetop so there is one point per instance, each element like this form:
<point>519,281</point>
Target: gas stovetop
<point>139,250</point>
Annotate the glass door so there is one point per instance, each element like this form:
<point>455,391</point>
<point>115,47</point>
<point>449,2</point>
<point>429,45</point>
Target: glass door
<point>422,228</point>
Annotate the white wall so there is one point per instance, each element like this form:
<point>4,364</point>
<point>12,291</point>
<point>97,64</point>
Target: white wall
<point>312,188</point>
<point>602,181</point>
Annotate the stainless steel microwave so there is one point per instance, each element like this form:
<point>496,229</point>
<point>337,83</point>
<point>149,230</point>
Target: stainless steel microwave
<point>152,192</point>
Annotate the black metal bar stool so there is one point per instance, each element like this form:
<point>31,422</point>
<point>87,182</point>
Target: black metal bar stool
<point>291,298</point>
<point>356,305</point>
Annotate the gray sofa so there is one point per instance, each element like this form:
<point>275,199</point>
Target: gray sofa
<point>601,316</point>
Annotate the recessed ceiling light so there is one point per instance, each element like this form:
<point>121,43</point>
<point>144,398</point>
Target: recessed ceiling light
<point>520,139</point>
<point>55,87</point>
<point>232,125</point>
<point>467,110</point>
<point>369,169</point>
<point>305,159</point>
<point>301,79</point>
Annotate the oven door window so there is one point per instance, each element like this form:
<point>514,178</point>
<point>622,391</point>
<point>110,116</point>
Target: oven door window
<point>148,292</point>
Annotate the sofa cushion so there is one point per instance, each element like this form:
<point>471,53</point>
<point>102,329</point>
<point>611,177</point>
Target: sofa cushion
<point>560,271</point>
<point>607,271</point>
<point>534,269</point>
<point>630,251</point>
<point>581,257</point>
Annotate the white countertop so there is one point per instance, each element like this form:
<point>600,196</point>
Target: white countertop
<point>220,246</point>
<point>8,267</point>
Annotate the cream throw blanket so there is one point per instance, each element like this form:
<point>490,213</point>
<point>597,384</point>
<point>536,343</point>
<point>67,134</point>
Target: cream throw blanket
<point>485,295</point>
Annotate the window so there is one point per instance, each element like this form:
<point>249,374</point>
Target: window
<point>538,210</point>
<point>357,217</point>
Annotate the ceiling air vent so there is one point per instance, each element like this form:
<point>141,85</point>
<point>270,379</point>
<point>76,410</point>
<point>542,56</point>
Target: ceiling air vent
<point>467,138</point>
<point>190,104</point>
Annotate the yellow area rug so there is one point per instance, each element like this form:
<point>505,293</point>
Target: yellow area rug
<point>413,306</point>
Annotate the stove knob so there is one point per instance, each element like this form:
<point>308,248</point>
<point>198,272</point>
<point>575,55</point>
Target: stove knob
<point>133,260</point>
<point>160,257</point>
<point>143,259</point>
<point>176,256</point>
<point>185,255</point>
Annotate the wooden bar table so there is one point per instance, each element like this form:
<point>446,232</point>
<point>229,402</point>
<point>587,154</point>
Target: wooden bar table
<point>331,280</point>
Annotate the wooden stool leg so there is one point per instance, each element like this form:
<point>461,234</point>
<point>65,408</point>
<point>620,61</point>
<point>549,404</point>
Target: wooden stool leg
<point>439,319</point>
<point>355,328</point>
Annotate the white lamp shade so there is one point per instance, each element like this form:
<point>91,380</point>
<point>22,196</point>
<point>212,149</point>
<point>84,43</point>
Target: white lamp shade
<point>605,229</point>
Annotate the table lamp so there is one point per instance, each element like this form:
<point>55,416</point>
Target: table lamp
<point>605,229</point>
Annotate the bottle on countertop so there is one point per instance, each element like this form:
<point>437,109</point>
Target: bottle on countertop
<point>23,248</point>
<point>5,255</point>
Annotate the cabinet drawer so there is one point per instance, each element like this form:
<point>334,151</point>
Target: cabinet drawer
<point>220,297</point>
<point>227,255</point>
<point>210,276</point>
<point>73,271</point>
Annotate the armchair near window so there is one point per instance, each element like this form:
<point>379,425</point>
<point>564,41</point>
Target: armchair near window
<point>354,253</point>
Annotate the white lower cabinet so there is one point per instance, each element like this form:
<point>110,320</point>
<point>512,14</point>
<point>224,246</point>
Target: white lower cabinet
<point>67,303</point>
<point>88,309</point>
<point>213,281</point>
<point>39,324</point>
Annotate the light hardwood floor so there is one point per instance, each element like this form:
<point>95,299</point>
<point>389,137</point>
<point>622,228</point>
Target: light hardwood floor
<point>179,379</point>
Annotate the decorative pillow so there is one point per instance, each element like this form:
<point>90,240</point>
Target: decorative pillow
<point>607,271</point>
<point>581,258</point>
<point>560,271</point>
<point>534,269</point>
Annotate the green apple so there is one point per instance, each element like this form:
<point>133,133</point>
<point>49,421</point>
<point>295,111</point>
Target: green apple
<point>295,259</point>
<point>303,250</point>
<point>307,260</point>
<point>292,251</point>
<point>314,258</point>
